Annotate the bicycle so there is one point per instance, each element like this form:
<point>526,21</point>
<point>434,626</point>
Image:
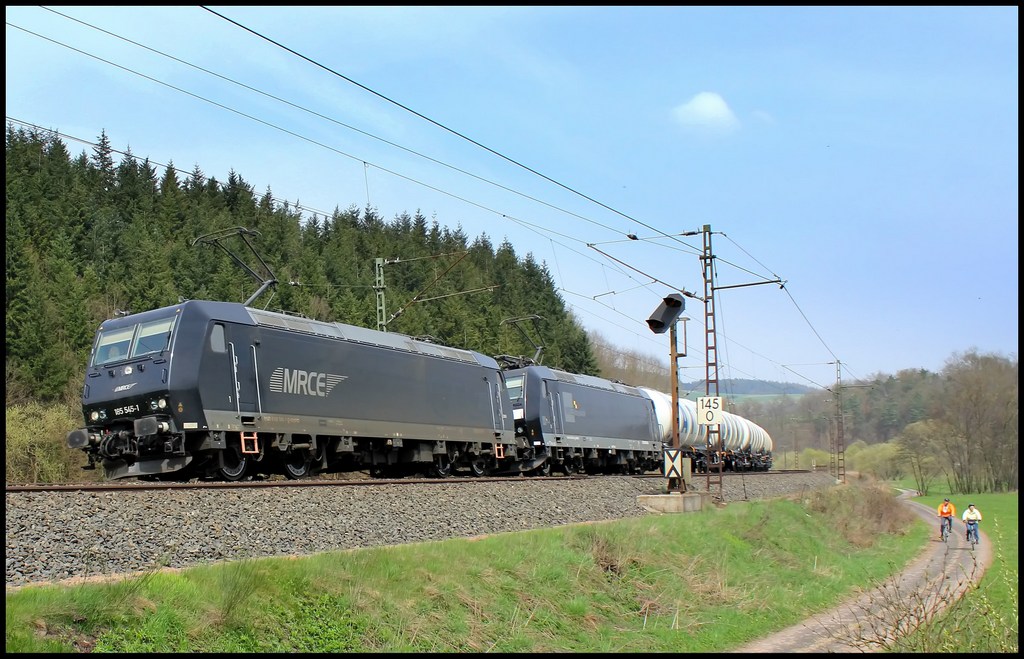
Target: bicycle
<point>946,524</point>
<point>972,533</point>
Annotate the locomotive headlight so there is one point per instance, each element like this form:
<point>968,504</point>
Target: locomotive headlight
<point>162,403</point>
<point>94,416</point>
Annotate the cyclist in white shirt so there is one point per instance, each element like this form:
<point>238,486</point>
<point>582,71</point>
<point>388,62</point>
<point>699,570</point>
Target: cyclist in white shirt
<point>971,518</point>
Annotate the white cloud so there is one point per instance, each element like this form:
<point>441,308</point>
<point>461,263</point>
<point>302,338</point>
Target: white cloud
<point>706,111</point>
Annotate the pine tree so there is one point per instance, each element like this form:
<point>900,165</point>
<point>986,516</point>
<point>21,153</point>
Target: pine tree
<point>103,163</point>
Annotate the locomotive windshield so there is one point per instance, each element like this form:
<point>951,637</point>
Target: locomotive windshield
<point>515,387</point>
<point>130,342</point>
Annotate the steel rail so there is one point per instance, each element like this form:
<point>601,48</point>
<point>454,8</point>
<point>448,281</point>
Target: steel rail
<point>199,485</point>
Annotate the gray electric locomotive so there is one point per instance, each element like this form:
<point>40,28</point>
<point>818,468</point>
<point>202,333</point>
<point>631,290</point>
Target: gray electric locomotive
<point>220,389</point>
<point>582,423</point>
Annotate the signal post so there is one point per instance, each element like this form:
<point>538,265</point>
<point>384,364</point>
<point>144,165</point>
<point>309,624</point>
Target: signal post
<point>677,469</point>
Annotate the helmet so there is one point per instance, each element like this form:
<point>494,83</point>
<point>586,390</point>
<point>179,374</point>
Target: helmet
<point>946,500</point>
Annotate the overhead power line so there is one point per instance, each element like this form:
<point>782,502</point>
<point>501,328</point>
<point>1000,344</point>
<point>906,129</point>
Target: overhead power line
<point>440,125</point>
<point>365,163</point>
<point>536,228</point>
<point>174,169</point>
<point>335,121</point>
<point>629,236</point>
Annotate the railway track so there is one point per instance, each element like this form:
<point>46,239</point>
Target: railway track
<point>311,482</point>
<point>335,482</point>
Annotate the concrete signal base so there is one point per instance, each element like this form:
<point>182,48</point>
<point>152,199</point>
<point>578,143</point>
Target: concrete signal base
<point>675,502</point>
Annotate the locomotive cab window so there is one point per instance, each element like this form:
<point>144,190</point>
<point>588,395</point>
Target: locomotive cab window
<point>515,387</point>
<point>153,337</point>
<point>113,346</point>
<point>131,342</point>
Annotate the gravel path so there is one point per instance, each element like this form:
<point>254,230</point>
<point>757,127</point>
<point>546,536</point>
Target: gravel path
<point>74,535</point>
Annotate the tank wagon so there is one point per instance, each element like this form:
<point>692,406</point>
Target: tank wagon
<point>219,389</point>
<point>581,423</point>
<point>745,446</point>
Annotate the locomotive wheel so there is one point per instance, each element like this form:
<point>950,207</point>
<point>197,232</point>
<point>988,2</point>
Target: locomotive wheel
<point>478,466</point>
<point>235,466</point>
<point>442,466</point>
<point>296,464</point>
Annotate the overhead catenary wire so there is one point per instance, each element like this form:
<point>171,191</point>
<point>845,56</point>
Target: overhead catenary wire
<point>644,284</point>
<point>458,134</point>
<point>367,164</point>
<point>318,143</point>
<point>528,225</point>
<point>641,335</point>
<point>439,125</point>
<point>176,170</point>
<point>334,121</point>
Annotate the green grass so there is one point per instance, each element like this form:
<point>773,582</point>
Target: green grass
<point>702,582</point>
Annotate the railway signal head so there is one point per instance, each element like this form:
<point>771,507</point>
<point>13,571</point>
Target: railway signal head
<point>666,313</point>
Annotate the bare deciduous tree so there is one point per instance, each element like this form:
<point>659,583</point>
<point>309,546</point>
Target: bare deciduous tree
<point>980,406</point>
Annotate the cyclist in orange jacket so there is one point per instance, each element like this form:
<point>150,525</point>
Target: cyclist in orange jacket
<point>947,512</point>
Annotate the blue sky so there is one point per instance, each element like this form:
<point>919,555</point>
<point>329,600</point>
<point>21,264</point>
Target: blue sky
<point>867,156</point>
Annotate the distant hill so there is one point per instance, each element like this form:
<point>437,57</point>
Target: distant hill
<point>742,387</point>
<point>641,369</point>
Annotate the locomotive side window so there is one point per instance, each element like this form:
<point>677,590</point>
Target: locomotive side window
<point>217,342</point>
<point>154,336</point>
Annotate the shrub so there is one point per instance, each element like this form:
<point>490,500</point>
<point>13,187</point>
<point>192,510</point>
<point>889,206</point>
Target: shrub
<point>36,451</point>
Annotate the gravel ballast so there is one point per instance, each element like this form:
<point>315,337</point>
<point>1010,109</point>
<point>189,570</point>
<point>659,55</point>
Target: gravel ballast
<point>56,536</point>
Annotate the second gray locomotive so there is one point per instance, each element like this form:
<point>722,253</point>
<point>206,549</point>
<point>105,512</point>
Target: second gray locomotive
<point>582,423</point>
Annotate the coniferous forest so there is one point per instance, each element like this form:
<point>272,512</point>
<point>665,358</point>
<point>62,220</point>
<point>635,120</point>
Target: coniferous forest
<point>91,236</point>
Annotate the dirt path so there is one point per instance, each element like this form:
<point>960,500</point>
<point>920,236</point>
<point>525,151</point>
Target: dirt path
<point>869,622</point>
